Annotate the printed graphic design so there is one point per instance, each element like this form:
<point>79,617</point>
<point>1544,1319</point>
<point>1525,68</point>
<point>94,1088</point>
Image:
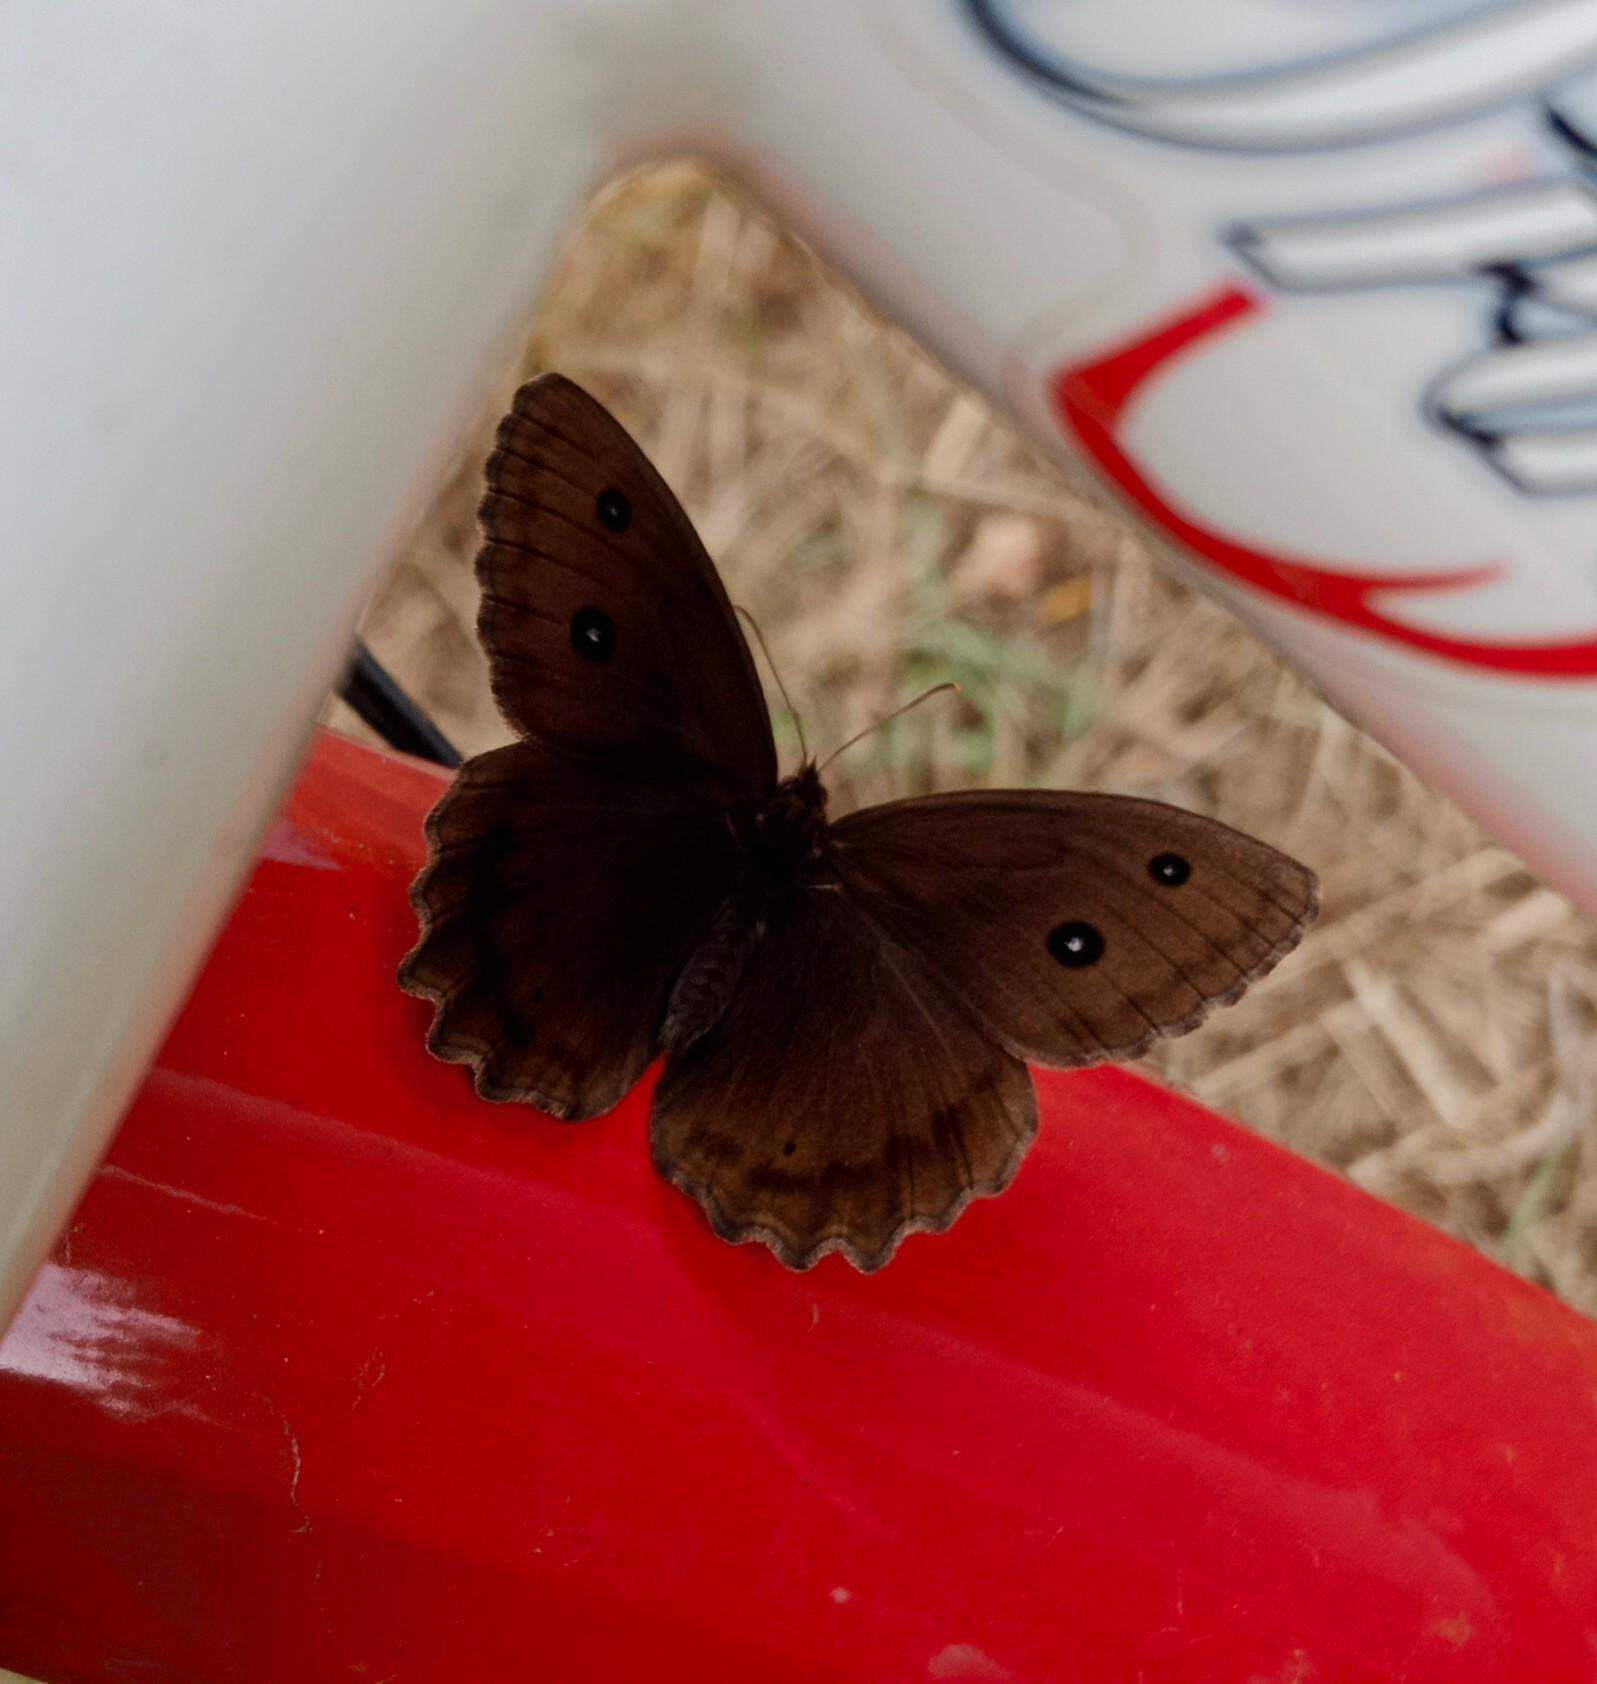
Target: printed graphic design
<point>1513,386</point>
<point>1094,401</point>
<point>1526,399</point>
<point>1528,402</point>
<point>1411,80</point>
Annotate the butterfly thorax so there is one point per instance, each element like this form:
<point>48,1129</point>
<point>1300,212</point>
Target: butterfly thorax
<point>788,839</point>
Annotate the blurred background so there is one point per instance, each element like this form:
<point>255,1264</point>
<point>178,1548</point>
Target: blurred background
<point>1433,1038</point>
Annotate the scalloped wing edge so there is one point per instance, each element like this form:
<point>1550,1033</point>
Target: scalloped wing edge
<point>1201,1013</point>
<point>800,1259</point>
<point>478,1058</point>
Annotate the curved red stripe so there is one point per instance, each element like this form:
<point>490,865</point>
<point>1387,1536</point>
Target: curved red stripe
<point>1091,401</point>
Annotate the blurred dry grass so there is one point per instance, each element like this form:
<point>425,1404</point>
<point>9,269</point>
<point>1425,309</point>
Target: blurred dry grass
<point>1434,1037</point>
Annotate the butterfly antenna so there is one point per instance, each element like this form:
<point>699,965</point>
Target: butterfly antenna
<point>787,701</point>
<point>897,713</point>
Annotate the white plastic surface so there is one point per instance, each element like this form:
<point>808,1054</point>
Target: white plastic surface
<point>256,260</point>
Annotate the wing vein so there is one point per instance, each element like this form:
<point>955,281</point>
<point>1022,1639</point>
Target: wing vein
<point>560,561</point>
<point>539,465</point>
<point>1119,872</point>
<point>888,946</point>
<point>1086,1030</point>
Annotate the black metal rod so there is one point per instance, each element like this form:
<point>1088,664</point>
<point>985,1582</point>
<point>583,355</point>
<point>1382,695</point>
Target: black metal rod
<point>370,689</point>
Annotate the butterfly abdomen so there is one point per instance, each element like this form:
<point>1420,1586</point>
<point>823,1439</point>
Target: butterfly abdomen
<point>710,978</point>
<point>786,844</point>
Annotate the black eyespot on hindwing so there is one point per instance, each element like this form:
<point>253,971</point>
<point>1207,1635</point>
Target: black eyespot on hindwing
<point>593,634</point>
<point>1076,944</point>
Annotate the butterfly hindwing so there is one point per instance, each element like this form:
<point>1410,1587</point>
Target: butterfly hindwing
<point>868,1079</point>
<point>842,1102</point>
<point>607,629</point>
<point>1075,927</point>
<point>559,906</point>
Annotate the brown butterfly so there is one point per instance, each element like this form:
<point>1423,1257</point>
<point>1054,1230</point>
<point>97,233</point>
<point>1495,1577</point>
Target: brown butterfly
<point>846,1006</point>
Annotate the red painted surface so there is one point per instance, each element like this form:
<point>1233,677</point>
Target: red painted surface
<point>1093,402</point>
<point>340,1373</point>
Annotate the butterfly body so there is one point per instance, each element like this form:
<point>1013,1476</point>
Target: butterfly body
<point>787,837</point>
<point>847,1006</point>
<point>785,848</point>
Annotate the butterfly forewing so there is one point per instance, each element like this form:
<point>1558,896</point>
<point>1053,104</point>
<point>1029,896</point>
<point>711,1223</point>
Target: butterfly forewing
<point>1074,927</point>
<point>607,629</point>
<point>573,875</point>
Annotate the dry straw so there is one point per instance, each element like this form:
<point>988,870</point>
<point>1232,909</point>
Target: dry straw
<point>1432,1039</point>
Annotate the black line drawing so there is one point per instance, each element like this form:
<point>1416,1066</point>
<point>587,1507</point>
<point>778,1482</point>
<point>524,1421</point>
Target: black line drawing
<point>1525,401</point>
<point>1408,81</point>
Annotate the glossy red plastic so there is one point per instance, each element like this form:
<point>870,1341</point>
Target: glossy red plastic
<point>341,1373</point>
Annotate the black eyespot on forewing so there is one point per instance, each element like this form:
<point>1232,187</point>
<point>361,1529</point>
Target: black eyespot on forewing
<point>1170,869</point>
<point>593,634</point>
<point>1076,945</point>
<point>613,510</point>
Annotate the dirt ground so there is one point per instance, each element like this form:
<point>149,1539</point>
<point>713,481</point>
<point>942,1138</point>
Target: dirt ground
<point>1432,1039</point>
